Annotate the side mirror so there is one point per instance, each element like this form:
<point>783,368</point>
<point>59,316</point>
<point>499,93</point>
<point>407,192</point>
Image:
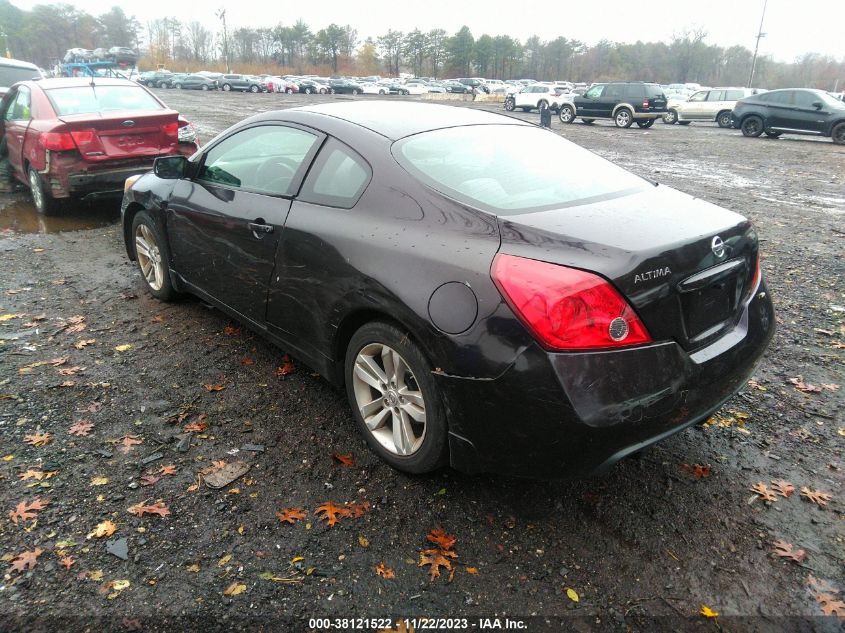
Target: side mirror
<point>818,105</point>
<point>170,167</point>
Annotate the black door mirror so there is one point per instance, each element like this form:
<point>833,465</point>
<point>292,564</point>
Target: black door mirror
<point>818,105</point>
<point>170,167</point>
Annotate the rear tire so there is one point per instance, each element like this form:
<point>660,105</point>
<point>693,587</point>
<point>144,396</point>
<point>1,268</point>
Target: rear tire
<point>524,109</point>
<point>724,119</point>
<point>671,117</point>
<point>154,260</point>
<point>837,134</point>
<point>253,88</point>
<point>645,123</point>
<point>588,121</point>
<point>42,198</point>
<point>204,87</point>
<point>772,134</point>
<point>426,451</point>
<point>227,88</point>
<point>684,122</point>
<point>355,92</point>
<point>623,118</point>
<point>510,105</point>
<point>567,114</point>
<point>752,126</point>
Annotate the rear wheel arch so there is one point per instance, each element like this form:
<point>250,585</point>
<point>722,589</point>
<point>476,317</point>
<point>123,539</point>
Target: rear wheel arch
<point>128,218</point>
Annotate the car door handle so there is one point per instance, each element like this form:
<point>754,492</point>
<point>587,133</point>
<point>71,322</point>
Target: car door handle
<point>259,229</point>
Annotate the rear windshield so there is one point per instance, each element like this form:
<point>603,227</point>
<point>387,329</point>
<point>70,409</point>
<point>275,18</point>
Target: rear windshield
<point>87,99</point>
<point>11,75</point>
<point>512,169</point>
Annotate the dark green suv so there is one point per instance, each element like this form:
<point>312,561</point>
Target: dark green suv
<point>625,102</point>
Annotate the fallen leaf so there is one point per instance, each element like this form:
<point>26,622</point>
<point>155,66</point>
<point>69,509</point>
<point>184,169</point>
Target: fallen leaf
<point>800,385</point>
<point>816,496</point>
<point>247,361</point>
<point>330,512</point>
<point>198,425</point>
<point>784,550</point>
<point>707,612</point>
<point>71,371</point>
<point>439,537</point>
<point>222,562</point>
<point>26,511</point>
<point>291,515</point>
<point>572,594</point>
<point>115,587</point>
<point>99,481</point>
<point>231,331</point>
<point>234,589</point>
<point>830,387</point>
<point>66,562</point>
<point>84,343</point>
<point>357,510</point>
<point>81,428</point>
<point>140,509</point>
<point>148,480</point>
<point>763,492</point>
<point>9,317</point>
<point>821,585</point>
<point>37,439</point>
<point>106,528</point>
<point>286,368</point>
<point>127,442</point>
<point>782,487</point>
<point>123,348</point>
<point>471,570</point>
<point>169,469</point>
<point>26,560</point>
<point>696,471</point>
<point>211,388</point>
<point>831,605</point>
<point>344,458</point>
<point>36,474</point>
<point>435,558</point>
<point>193,568</point>
<point>384,572</point>
<point>363,541</point>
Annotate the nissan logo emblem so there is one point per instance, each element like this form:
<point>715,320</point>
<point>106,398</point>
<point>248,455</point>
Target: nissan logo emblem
<point>718,247</point>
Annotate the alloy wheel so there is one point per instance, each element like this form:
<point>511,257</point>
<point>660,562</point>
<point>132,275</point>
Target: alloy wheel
<point>37,192</point>
<point>389,398</point>
<point>149,257</point>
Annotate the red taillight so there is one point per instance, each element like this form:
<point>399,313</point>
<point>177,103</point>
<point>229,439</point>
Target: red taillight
<point>83,137</point>
<point>57,141</point>
<point>566,308</point>
<point>171,129</point>
<point>645,103</point>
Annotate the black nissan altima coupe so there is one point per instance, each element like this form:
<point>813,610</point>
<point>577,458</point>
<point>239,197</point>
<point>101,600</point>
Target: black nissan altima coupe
<point>481,307</point>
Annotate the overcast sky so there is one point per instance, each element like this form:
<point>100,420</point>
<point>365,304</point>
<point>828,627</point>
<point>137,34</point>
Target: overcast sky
<point>792,27</point>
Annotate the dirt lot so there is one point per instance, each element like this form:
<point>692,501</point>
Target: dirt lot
<point>643,548</point>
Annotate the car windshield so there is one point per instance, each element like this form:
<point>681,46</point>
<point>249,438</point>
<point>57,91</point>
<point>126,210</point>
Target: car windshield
<point>88,99</point>
<point>512,169</point>
<point>11,75</point>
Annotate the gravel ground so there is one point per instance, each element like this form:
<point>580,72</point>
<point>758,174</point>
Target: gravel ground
<point>643,548</point>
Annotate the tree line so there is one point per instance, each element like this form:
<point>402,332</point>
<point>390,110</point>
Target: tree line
<point>44,33</point>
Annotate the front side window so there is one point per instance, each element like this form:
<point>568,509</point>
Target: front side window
<point>698,96</point>
<point>19,109</point>
<point>264,159</point>
<point>338,178</point>
<point>805,100</point>
<point>594,92</point>
<point>476,165</point>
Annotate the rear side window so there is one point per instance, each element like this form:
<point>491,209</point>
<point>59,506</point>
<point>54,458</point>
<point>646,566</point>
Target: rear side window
<point>780,97</point>
<point>88,99</point>
<point>716,95</point>
<point>338,178</point>
<point>634,91</point>
<point>612,91</point>
<point>734,95</point>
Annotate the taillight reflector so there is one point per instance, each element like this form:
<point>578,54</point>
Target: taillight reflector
<point>83,137</point>
<point>170,129</point>
<point>56,141</point>
<point>566,308</point>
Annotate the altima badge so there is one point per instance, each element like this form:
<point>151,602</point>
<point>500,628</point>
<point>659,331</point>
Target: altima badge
<point>718,247</point>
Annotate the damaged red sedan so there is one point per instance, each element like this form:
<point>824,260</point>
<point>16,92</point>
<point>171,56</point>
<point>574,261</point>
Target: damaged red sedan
<point>80,137</point>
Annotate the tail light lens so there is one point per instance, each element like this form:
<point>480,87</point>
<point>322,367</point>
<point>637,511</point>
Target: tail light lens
<point>566,308</point>
<point>645,103</point>
<point>83,137</point>
<point>171,129</point>
<point>57,141</point>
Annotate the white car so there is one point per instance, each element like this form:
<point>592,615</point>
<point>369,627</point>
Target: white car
<point>711,104</point>
<point>535,96</point>
<point>413,88</point>
<point>370,88</point>
<point>496,86</point>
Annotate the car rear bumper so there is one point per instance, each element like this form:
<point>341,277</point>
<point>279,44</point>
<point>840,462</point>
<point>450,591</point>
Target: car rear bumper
<point>553,415</point>
<point>70,175</point>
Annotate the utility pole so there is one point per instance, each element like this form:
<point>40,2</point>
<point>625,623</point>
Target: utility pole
<point>760,34</point>
<point>222,15</point>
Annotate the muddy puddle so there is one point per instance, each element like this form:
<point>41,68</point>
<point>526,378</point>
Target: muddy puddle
<point>18,215</point>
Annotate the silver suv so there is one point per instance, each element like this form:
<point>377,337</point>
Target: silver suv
<point>712,104</point>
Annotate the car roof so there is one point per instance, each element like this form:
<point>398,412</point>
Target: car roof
<point>17,63</point>
<point>397,120</point>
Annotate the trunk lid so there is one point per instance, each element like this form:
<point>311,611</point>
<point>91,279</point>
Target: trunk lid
<point>657,247</point>
<point>128,134</point>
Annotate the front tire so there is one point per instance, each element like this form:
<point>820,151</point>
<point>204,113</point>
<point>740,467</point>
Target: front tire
<point>152,256</point>
<point>204,87</point>
<point>394,398</point>
<point>510,105</point>
<point>772,134</point>
<point>355,92</point>
<point>308,91</point>
<point>623,118</point>
<point>42,198</point>
<point>227,88</point>
<point>752,126</point>
<point>588,121</point>
<point>253,88</point>
<point>567,114</point>
<point>724,119</point>
<point>671,117</point>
